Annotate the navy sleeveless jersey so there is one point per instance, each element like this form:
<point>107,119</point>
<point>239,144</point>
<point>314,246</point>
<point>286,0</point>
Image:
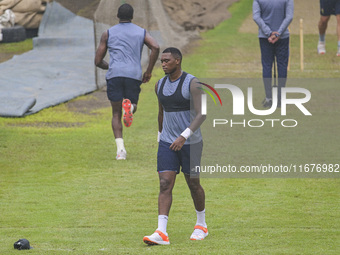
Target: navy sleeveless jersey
<point>178,110</point>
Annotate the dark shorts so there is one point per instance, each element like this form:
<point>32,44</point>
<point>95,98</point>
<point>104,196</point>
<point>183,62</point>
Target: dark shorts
<point>329,7</point>
<point>187,158</point>
<point>121,87</point>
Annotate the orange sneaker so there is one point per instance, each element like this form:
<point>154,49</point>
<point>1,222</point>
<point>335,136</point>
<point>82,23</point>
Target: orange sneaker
<point>156,238</point>
<point>127,115</point>
<point>199,233</point>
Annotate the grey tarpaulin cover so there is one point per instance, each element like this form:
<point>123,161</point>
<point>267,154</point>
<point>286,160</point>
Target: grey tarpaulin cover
<point>60,66</point>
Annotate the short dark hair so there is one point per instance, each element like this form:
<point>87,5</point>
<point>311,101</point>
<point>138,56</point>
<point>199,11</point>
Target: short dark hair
<point>125,12</point>
<point>174,51</point>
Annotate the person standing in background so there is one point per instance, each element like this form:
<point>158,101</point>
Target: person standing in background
<point>273,19</point>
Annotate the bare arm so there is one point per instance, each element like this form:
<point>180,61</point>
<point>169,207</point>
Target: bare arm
<point>101,52</point>
<point>196,94</point>
<point>199,118</point>
<point>154,47</point>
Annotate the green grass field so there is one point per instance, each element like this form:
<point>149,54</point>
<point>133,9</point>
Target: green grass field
<point>63,190</point>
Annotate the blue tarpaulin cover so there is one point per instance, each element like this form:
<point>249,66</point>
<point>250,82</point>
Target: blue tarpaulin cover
<point>60,66</point>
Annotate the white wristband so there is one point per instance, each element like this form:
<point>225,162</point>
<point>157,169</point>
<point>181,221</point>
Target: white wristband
<point>159,136</point>
<point>187,133</point>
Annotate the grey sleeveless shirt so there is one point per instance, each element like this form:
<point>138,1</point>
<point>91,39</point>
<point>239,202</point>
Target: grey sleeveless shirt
<point>125,44</point>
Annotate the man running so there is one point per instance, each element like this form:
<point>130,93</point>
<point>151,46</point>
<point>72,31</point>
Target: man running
<point>180,142</point>
<point>125,42</point>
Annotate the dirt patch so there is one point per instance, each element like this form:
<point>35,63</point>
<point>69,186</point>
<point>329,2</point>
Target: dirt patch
<point>5,56</point>
<point>198,14</point>
<point>90,103</point>
<point>49,124</point>
<point>84,8</point>
<point>190,14</point>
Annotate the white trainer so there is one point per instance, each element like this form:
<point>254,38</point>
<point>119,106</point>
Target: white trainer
<point>121,155</point>
<point>338,53</point>
<point>199,233</point>
<point>321,48</point>
<point>157,238</point>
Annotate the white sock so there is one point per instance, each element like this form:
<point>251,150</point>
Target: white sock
<point>162,223</point>
<point>201,218</point>
<point>120,144</point>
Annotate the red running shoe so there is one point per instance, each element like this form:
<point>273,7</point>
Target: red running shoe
<point>127,113</point>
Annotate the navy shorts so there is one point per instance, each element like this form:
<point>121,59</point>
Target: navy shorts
<point>187,158</point>
<point>329,7</point>
<point>121,87</point>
